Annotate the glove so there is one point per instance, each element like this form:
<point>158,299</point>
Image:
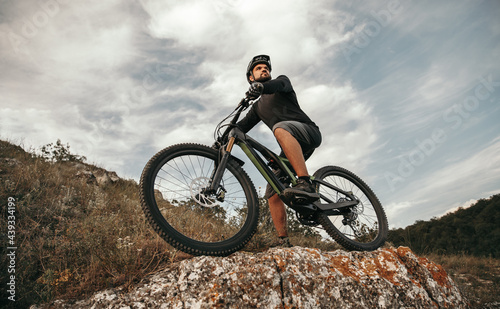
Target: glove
<point>255,90</point>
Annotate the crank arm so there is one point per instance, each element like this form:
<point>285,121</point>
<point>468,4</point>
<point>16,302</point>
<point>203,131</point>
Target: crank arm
<point>332,206</point>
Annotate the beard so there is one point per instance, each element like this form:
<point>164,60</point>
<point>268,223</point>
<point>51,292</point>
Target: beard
<point>263,78</point>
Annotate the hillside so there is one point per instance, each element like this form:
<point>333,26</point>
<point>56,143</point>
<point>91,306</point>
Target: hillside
<point>474,231</point>
<point>76,229</point>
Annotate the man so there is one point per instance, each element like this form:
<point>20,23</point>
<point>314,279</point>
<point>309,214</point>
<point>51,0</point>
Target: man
<point>295,132</point>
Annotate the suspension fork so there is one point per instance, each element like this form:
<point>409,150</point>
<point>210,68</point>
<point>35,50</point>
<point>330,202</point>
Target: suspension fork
<point>218,172</point>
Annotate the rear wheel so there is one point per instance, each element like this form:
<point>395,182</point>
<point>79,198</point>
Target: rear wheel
<point>362,227</point>
<point>182,211</point>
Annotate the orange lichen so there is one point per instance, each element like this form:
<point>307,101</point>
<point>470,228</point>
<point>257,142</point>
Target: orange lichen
<point>437,271</point>
<point>343,265</point>
<point>383,265</point>
<point>404,251</point>
<point>314,252</point>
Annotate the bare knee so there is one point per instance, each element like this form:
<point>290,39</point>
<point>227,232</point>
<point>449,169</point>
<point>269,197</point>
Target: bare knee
<point>280,132</point>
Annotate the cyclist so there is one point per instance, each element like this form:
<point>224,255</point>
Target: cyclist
<point>295,132</point>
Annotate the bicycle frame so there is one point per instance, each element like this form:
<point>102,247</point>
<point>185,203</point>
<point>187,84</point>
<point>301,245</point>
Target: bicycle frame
<point>250,147</point>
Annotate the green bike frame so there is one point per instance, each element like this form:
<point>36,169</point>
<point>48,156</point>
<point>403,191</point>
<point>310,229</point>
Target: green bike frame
<point>250,147</point>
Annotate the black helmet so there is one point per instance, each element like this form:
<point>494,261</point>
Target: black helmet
<point>258,60</point>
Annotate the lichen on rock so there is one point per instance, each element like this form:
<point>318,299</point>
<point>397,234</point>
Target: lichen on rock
<point>291,278</point>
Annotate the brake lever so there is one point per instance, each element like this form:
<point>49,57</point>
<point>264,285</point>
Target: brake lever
<point>251,102</point>
<point>246,101</point>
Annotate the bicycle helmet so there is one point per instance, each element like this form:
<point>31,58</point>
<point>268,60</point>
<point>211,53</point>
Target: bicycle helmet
<point>258,60</point>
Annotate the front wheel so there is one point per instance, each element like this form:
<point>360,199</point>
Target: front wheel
<point>177,203</point>
<point>362,227</point>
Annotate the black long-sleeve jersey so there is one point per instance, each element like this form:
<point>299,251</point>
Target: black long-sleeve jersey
<point>277,103</point>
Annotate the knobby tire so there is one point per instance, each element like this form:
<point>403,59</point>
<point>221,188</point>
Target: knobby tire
<point>370,218</point>
<point>180,217</point>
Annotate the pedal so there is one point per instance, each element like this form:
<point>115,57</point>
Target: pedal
<point>299,203</point>
<point>300,198</point>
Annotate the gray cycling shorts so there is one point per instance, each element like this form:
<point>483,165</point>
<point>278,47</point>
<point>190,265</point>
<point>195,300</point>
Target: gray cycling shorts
<point>308,136</point>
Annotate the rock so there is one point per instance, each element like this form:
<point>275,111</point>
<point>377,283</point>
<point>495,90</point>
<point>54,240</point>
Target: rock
<point>100,177</point>
<point>87,176</point>
<point>113,176</point>
<point>290,278</point>
<point>78,165</point>
<point>158,195</point>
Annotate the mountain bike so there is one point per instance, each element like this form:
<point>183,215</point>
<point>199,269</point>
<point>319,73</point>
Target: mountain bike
<point>201,201</point>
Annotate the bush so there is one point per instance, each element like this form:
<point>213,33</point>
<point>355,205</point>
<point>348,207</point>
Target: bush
<point>59,153</point>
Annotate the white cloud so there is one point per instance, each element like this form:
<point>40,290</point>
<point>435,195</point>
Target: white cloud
<point>65,80</point>
<point>463,205</point>
<point>119,81</point>
<point>394,212</point>
<point>229,31</point>
<point>436,192</point>
<point>347,125</point>
<point>483,166</point>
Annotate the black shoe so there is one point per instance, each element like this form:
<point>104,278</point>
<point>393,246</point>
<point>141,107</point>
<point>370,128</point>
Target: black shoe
<point>303,190</point>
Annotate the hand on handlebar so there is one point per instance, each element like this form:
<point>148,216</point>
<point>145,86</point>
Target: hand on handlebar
<point>255,90</point>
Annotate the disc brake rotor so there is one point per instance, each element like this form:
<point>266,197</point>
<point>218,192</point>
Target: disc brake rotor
<point>198,192</point>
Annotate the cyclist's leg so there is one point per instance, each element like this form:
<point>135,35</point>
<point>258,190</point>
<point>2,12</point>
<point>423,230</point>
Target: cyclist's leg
<point>298,141</point>
<point>278,214</point>
<point>277,209</point>
<point>293,151</point>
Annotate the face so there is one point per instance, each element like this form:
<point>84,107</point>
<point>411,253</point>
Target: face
<point>260,73</point>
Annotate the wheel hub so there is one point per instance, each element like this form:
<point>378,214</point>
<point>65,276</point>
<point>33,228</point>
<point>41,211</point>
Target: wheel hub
<point>198,189</point>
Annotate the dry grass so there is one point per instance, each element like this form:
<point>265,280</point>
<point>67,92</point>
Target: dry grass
<point>477,277</point>
<point>73,237</point>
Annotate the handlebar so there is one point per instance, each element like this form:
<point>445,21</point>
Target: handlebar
<point>247,101</point>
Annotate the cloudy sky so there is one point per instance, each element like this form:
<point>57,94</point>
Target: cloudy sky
<point>406,93</point>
